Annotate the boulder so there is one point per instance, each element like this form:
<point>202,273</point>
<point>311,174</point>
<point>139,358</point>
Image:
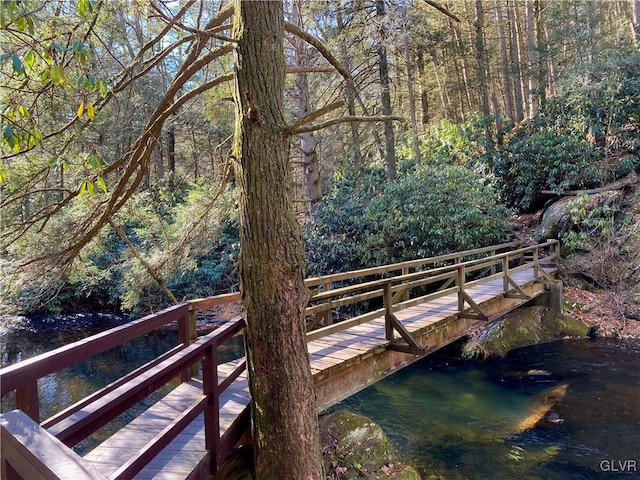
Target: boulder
<point>355,447</point>
<point>525,326</point>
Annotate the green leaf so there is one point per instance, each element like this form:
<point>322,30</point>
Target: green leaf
<point>30,58</point>
<point>87,186</point>
<point>17,64</point>
<point>101,183</point>
<point>57,74</point>
<point>103,88</point>
<point>90,111</point>
<point>8,136</point>
<point>3,174</point>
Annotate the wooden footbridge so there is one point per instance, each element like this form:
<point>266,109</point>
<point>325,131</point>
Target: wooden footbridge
<point>397,314</point>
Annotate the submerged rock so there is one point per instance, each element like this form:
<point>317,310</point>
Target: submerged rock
<point>356,447</point>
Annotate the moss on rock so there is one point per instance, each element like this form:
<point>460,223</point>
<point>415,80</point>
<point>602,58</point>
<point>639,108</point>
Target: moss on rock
<point>526,326</point>
<point>355,447</point>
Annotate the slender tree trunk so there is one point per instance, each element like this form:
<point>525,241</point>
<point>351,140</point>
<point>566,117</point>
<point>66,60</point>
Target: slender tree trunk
<point>385,94</point>
<point>542,55</point>
<point>271,261</point>
<point>350,93</point>
<point>308,143</point>
<point>171,153</point>
<point>504,62</point>
<point>532,60</point>
<point>482,72</point>
<point>157,151</point>
<point>424,94</point>
<point>514,51</point>
<point>412,104</point>
<point>635,6</point>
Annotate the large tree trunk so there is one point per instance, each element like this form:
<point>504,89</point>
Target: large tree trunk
<point>272,291</point>
<point>385,96</point>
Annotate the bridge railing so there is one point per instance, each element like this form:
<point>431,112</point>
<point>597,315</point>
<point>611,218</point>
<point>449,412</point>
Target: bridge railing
<point>325,287</point>
<point>448,273</point>
<point>80,420</point>
<point>394,292</point>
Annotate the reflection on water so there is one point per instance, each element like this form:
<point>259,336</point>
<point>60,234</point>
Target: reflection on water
<point>565,410</point>
<point>22,338</point>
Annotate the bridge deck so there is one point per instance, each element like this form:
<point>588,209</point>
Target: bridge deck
<point>185,453</point>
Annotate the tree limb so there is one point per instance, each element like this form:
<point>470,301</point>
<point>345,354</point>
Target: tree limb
<point>441,9</point>
<point>348,119</point>
<point>122,234</point>
<point>313,115</point>
<point>324,51</point>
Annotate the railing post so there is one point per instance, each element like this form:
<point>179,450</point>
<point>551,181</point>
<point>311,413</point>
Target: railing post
<point>536,265</point>
<point>492,253</point>
<point>328,318</point>
<point>187,334</point>
<point>212,410</point>
<point>505,273</point>
<point>388,310</point>
<point>460,270</point>
<point>27,399</point>
<point>405,294</point>
<point>192,334</point>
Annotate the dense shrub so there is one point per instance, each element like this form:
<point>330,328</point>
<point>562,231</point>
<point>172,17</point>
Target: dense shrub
<point>597,112</point>
<point>538,157</point>
<point>430,211</point>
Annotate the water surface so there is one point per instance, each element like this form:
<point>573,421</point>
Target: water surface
<point>456,419</point>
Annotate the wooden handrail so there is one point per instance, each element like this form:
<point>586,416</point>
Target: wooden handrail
<point>365,272</point>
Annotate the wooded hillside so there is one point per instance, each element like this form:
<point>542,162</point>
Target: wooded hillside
<point>415,127</point>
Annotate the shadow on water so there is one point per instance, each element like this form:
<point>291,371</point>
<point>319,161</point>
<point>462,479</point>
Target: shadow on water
<point>22,338</point>
<point>564,410</point>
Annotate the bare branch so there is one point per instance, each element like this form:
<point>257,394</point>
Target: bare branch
<point>310,69</point>
<point>324,51</point>
<point>313,115</point>
<point>441,9</point>
<point>349,119</point>
<point>161,283</point>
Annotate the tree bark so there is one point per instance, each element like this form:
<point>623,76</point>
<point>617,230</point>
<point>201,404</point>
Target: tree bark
<point>532,60</point>
<point>635,6</point>
<point>504,62</point>
<point>308,143</point>
<point>482,72</point>
<point>412,105</point>
<point>514,51</point>
<point>385,95</point>
<point>350,93</point>
<point>271,260</point>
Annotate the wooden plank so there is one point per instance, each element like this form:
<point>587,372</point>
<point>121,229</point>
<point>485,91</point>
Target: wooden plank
<point>35,454</point>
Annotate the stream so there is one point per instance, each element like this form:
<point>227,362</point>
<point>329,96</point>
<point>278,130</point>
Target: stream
<point>564,410</point>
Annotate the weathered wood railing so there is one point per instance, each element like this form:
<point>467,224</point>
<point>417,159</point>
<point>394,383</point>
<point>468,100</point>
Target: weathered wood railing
<point>394,292</point>
<point>325,294</point>
<point>441,275</point>
<point>80,420</point>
